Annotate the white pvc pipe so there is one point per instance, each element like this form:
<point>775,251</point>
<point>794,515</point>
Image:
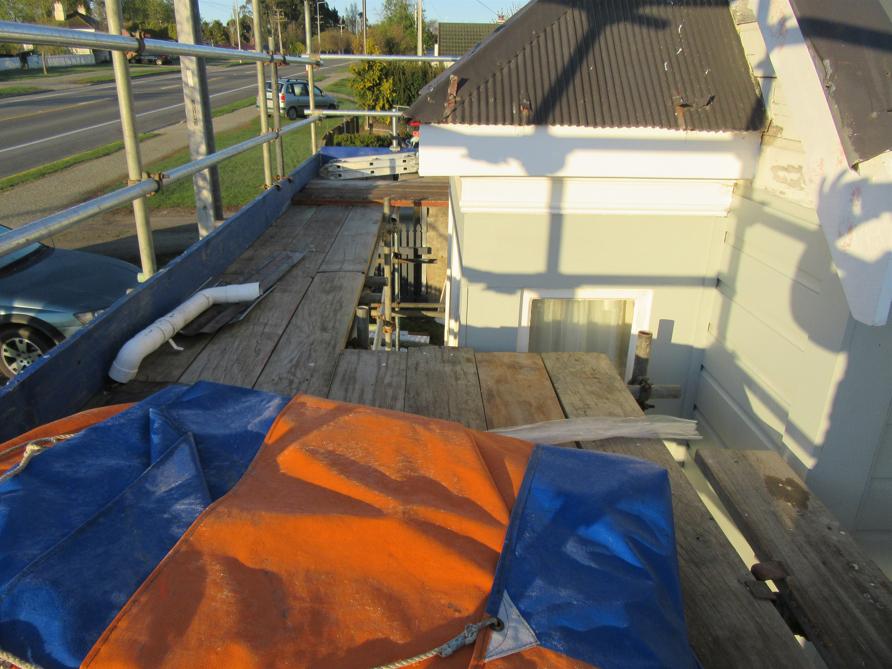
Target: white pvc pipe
<point>132,353</point>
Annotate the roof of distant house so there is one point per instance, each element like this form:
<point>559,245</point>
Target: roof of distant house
<point>81,21</point>
<point>612,63</point>
<point>456,39</point>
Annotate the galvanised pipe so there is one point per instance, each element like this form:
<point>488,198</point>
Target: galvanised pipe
<point>62,220</point>
<point>145,241</point>
<point>261,95</point>
<point>324,57</point>
<point>11,31</point>
<point>354,112</point>
<point>56,223</point>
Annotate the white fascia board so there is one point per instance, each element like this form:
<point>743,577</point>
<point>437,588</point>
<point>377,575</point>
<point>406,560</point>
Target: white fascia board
<point>854,207</point>
<point>655,197</point>
<point>515,151</point>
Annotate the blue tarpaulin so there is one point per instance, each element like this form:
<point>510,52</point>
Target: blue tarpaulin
<point>588,567</point>
<point>89,519</point>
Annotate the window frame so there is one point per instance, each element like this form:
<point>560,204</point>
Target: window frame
<point>641,312</point>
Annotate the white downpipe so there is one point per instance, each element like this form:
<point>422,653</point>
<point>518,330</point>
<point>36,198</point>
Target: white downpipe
<point>132,353</point>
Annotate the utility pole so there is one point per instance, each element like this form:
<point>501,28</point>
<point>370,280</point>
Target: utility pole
<point>199,125</point>
<point>365,35</point>
<point>279,18</point>
<point>238,27</point>
<point>419,20</point>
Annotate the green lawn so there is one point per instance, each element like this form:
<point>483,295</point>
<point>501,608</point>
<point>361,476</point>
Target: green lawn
<point>241,177</point>
<point>135,71</point>
<point>55,166</point>
<point>10,91</point>
<point>341,87</point>
<point>234,106</point>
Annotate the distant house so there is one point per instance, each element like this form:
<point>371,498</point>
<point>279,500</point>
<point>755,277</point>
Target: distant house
<point>456,39</point>
<point>720,175</point>
<point>77,20</point>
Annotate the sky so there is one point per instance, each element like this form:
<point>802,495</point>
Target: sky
<point>476,11</point>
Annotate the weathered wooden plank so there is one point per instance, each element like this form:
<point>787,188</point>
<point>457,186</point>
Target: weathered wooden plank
<point>727,626</point>
<point>839,596</point>
<point>304,359</point>
<point>65,379</point>
<point>170,365</point>
<point>124,393</point>
<point>352,250</point>
<point>237,354</point>
<point>443,383</point>
<point>374,378</point>
<point>516,390</point>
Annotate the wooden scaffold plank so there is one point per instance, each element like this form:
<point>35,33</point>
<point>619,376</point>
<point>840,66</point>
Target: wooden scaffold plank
<point>305,357</point>
<point>727,626</point>
<point>516,390</point>
<point>837,594</point>
<point>443,383</point>
<point>373,378</point>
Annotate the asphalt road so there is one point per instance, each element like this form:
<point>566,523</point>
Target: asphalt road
<point>43,127</point>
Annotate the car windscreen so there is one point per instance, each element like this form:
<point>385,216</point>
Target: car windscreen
<point>8,259</point>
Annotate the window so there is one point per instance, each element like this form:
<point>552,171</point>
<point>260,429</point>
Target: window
<point>601,321</point>
<point>302,89</point>
<point>318,90</point>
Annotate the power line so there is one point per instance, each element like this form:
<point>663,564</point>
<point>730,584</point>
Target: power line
<point>480,2</point>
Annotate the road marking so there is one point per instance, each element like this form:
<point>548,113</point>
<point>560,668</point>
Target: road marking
<point>107,123</point>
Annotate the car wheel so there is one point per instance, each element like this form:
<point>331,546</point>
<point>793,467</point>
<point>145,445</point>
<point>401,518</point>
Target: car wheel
<point>291,113</point>
<point>333,105</point>
<point>159,61</point>
<point>20,346</point>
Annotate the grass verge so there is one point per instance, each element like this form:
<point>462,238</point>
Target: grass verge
<point>37,72</point>
<point>233,106</point>
<point>341,87</point>
<point>57,165</point>
<point>241,177</point>
<point>135,71</point>
<point>10,91</point>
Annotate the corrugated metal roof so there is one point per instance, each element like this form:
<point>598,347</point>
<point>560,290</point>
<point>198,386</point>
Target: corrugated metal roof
<point>675,64</point>
<point>456,39</point>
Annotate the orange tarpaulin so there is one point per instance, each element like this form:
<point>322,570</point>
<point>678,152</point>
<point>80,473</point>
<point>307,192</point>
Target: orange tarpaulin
<point>358,537</point>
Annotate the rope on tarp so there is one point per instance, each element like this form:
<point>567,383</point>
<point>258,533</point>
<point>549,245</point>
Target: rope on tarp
<point>32,448</point>
<point>466,638</point>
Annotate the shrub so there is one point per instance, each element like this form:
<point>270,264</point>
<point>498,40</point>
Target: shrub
<point>360,139</point>
<point>382,86</point>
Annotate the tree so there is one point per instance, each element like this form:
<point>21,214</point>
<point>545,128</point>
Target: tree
<point>215,33</point>
<point>352,20</point>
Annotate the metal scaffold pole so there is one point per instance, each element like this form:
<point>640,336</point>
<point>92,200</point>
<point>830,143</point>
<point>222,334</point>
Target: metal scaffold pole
<point>199,122</point>
<point>277,120</point>
<point>310,73</point>
<point>131,143</point>
<point>419,27</point>
<point>261,95</point>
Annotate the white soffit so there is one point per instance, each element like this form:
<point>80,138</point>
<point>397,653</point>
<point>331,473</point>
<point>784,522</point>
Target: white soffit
<point>668,197</point>
<point>464,150</point>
